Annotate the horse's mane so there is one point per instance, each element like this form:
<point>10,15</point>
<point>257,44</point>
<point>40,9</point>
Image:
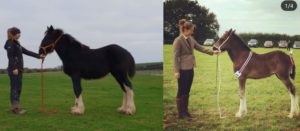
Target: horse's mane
<point>76,42</point>
<point>241,42</point>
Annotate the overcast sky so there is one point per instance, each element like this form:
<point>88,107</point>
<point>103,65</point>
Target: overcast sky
<point>133,24</point>
<point>264,16</point>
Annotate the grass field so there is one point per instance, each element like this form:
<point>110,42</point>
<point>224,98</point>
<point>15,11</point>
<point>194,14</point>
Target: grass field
<point>101,99</point>
<point>268,101</point>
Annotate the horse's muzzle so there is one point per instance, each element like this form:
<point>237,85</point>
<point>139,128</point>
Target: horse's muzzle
<point>215,48</point>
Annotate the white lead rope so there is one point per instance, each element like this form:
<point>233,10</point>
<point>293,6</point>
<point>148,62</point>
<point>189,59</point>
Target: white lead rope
<point>218,84</point>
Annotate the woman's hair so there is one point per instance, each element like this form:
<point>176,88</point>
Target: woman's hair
<point>12,32</point>
<point>185,25</point>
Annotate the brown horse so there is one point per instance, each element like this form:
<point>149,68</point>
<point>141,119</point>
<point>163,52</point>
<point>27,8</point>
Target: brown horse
<point>247,64</point>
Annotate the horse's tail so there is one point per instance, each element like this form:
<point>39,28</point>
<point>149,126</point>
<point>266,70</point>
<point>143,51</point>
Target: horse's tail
<point>131,69</point>
<point>293,70</point>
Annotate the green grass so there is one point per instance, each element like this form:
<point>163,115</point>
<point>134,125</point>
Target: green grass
<point>268,101</point>
<point>101,99</point>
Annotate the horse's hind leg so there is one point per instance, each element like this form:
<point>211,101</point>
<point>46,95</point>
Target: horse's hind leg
<point>294,99</point>
<point>78,108</point>
<point>128,106</point>
<point>243,107</point>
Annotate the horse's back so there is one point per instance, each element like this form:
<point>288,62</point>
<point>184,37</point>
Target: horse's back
<point>273,55</point>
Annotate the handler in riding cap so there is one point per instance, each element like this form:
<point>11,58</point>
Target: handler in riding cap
<point>184,62</point>
<point>15,67</point>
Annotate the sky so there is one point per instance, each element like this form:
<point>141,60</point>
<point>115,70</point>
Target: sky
<point>264,16</point>
<point>135,25</point>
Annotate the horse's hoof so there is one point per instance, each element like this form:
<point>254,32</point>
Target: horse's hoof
<point>77,111</point>
<point>121,110</point>
<point>291,115</point>
<point>297,114</point>
<point>73,108</point>
<point>238,115</point>
<point>129,111</point>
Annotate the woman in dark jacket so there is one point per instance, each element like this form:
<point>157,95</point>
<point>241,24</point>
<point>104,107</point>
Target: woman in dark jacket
<point>184,62</point>
<point>15,67</point>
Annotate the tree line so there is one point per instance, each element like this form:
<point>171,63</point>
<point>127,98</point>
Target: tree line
<point>207,24</point>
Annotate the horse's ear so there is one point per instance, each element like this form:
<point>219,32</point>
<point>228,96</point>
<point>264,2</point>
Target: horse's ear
<point>47,27</point>
<point>51,28</point>
<point>233,31</point>
<point>230,30</point>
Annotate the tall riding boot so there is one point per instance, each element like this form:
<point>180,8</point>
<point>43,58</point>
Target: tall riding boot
<point>186,104</point>
<point>180,108</point>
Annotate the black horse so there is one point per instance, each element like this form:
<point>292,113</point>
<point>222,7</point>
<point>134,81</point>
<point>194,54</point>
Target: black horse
<point>79,61</point>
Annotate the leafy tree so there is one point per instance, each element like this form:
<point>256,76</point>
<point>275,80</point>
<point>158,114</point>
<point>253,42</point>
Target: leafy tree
<point>206,23</point>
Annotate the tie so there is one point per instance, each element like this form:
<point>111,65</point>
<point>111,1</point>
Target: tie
<point>189,44</point>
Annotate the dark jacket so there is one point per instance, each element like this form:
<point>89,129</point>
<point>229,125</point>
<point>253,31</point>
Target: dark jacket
<point>15,55</point>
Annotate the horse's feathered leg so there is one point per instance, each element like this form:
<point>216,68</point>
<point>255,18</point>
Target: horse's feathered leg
<point>128,106</point>
<point>78,108</point>
<point>294,99</point>
<point>243,107</point>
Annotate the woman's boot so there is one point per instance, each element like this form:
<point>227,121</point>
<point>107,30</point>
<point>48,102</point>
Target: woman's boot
<point>17,110</point>
<point>185,106</point>
<point>180,107</point>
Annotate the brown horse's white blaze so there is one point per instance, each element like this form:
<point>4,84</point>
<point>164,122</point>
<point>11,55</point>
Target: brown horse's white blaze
<point>78,108</point>
<point>128,106</point>
<point>275,62</point>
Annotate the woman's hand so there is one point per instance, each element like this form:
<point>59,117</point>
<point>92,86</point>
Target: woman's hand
<point>216,52</point>
<point>177,75</point>
<point>15,72</point>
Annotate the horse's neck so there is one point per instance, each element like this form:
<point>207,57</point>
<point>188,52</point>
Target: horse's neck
<point>61,49</point>
<point>238,54</point>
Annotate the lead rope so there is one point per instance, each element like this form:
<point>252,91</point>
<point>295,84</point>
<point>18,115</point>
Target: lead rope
<point>42,86</point>
<point>218,85</point>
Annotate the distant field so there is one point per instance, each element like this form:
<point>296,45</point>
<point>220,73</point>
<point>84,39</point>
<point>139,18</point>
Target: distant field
<point>268,101</point>
<point>101,99</point>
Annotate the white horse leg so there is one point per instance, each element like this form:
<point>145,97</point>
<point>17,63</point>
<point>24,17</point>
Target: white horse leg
<point>243,106</point>
<point>79,106</point>
<point>130,106</point>
<point>124,101</point>
<point>294,106</point>
<point>297,111</point>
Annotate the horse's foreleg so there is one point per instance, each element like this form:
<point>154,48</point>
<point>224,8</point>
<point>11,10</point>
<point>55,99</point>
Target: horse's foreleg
<point>243,106</point>
<point>78,108</point>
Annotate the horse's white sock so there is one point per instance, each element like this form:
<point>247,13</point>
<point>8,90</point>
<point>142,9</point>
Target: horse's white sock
<point>130,106</point>
<point>296,105</point>
<point>124,101</point>
<point>79,106</point>
<point>292,105</point>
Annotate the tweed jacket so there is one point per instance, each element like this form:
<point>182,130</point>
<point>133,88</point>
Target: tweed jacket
<point>183,50</point>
